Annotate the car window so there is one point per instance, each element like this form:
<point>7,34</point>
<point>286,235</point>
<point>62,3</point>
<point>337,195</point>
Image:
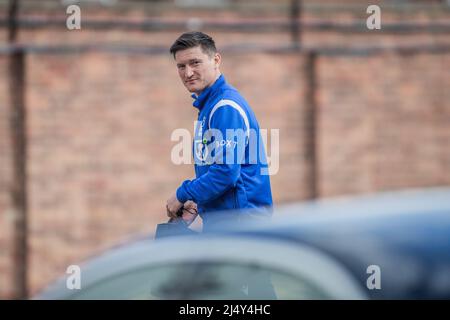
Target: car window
<point>206,280</point>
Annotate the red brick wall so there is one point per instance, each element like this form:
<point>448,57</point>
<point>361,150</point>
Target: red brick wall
<point>99,151</point>
<point>5,181</point>
<point>383,123</point>
<point>100,124</point>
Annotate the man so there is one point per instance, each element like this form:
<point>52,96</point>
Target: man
<point>228,174</point>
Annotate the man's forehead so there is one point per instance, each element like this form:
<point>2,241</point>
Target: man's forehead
<point>189,54</point>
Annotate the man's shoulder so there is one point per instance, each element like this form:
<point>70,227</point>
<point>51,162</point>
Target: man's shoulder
<point>229,93</point>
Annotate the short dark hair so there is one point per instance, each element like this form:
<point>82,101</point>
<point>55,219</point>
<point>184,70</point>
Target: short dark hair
<point>193,39</point>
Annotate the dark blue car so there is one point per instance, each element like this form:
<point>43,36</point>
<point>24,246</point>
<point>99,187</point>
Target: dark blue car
<point>385,246</point>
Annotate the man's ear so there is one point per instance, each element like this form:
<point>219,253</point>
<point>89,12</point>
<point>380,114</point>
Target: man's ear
<point>217,59</point>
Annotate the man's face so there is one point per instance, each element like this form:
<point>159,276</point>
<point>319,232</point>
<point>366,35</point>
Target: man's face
<point>197,69</point>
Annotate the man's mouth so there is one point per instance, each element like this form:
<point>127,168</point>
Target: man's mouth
<point>191,81</point>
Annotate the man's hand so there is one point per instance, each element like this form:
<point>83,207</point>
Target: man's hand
<point>172,206</point>
<point>189,212</point>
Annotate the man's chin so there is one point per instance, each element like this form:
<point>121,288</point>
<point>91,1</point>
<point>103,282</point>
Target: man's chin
<point>193,89</point>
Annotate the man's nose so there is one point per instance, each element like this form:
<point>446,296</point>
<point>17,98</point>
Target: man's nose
<point>189,72</point>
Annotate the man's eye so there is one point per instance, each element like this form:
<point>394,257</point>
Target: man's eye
<point>196,63</point>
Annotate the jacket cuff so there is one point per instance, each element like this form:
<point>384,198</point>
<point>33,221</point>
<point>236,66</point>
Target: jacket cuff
<point>182,194</point>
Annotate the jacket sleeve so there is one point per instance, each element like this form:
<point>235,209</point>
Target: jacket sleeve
<point>227,145</point>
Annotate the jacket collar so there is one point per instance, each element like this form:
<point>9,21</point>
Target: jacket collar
<point>201,99</point>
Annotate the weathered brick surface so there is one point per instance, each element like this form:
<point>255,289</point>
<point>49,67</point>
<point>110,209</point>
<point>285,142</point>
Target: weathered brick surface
<point>100,124</point>
<point>5,181</point>
<point>393,133</point>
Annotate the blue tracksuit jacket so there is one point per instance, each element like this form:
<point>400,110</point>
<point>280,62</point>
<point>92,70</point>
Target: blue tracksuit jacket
<point>230,161</point>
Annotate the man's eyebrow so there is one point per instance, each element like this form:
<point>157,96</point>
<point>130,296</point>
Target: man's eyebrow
<point>189,61</point>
